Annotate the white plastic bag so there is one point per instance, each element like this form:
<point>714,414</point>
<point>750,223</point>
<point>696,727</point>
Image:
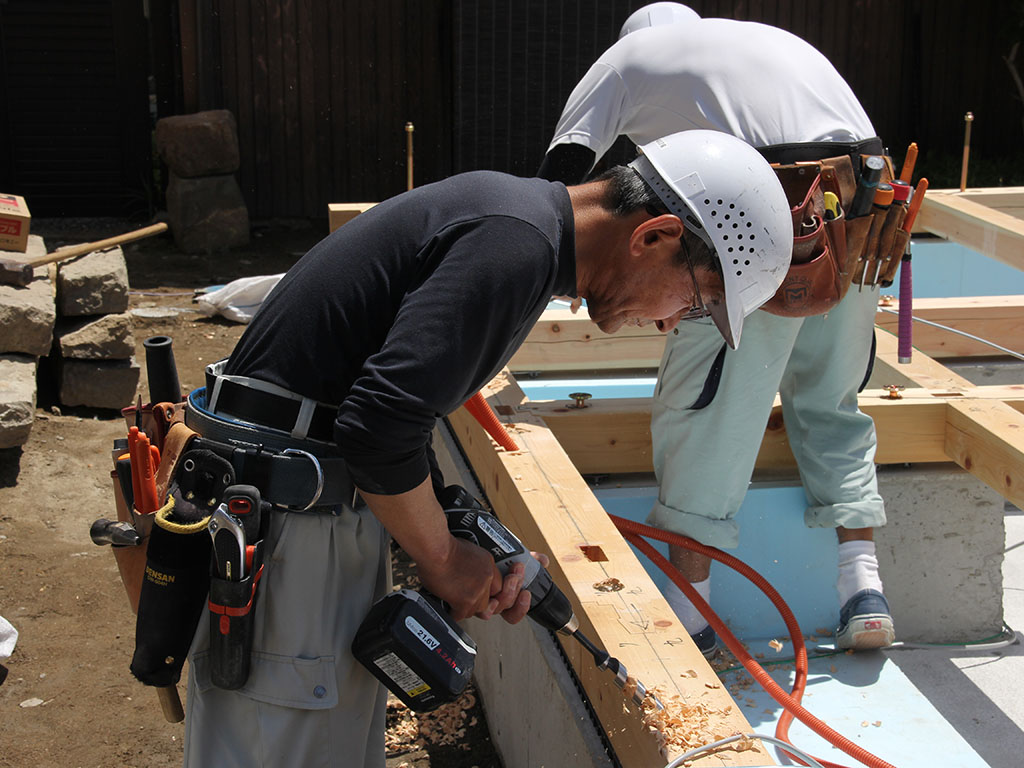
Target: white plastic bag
<point>8,637</point>
<point>239,299</point>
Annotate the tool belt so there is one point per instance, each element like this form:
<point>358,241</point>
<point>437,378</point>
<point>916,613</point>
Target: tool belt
<point>206,549</point>
<point>292,474</point>
<point>831,253</point>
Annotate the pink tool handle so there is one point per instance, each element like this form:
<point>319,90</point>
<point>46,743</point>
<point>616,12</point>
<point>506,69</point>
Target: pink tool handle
<point>906,321</point>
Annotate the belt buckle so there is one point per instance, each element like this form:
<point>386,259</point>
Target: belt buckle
<point>319,477</point>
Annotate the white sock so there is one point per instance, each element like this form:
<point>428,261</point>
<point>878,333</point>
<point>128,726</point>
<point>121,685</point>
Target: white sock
<point>692,619</point>
<point>858,569</point>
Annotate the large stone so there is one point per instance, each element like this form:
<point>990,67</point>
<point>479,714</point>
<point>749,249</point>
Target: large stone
<point>99,383</point>
<point>107,337</point>
<point>17,399</point>
<point>207,215</point>
<point>93,284</point>
<point>201,144</point>
<point>28,314</point>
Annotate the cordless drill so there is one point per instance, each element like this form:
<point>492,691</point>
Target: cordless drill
<point>411,645</point>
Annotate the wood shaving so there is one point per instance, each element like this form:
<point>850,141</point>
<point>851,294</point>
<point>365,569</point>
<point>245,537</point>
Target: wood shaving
<point>680,726</point>
<point>776,645</point>
<point>609,585</point>
<point>630,687</point>
<point>445,726</point>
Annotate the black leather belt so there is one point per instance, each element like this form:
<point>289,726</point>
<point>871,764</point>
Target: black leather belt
<point>271,410</point>
<point>290,473</point>
<point>785,154</point>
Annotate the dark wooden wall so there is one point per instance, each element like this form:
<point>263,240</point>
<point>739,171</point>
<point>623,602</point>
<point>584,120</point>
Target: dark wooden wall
<point>74,107</point>
<point>322,89</point>
<point>917,65</point>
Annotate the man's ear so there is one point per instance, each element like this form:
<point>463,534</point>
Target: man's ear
<point>655,232</point>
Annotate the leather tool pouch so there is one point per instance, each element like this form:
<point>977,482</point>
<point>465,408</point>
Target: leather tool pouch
<point>155,419</point>
<point>876,241</point>
<point>232,609</point>
<point>131,561</point>
<point>821,270</point>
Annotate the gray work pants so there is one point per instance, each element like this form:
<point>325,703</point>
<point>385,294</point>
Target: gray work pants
<point>307,701</point>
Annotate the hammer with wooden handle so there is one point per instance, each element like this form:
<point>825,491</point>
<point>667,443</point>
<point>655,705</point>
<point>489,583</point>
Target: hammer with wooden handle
<point>19,271</point>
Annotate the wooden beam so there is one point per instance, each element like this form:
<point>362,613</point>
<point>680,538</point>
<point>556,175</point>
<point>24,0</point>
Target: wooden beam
<point>999,319</point>
<point>341,213</point>
<point>562,341</point>
<point>613,436</point>
<point>987,439</point>
<point>921,371</point>
<point>540,495</point>
<point>984,230</point>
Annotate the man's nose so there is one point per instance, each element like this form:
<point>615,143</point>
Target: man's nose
<point>668,323</point>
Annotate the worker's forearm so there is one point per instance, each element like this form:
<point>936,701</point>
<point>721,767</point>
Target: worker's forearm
<point>416,521</point>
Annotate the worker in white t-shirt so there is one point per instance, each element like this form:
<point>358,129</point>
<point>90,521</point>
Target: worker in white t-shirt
<point>673,71</point>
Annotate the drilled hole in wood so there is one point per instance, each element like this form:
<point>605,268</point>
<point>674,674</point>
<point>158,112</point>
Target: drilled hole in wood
<point>594,553</point>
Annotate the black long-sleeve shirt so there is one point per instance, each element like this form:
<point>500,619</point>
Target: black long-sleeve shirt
<point>406,311</point>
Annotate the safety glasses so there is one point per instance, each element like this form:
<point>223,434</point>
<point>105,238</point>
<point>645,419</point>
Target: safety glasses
<point>699,308</point>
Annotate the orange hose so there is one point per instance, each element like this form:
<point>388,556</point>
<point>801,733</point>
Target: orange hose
<point>632,532</point>
<point>482,412</point>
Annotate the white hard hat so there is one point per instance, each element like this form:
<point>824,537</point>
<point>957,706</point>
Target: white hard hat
<point>656,15</point>
<point>727,194</point>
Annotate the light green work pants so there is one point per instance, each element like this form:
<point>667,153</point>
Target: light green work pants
<point>307,702</point>
<point>704,458</point>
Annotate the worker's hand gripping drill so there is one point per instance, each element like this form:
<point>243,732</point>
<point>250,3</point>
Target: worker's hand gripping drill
<point>549,607</point>
<point>467,519</point>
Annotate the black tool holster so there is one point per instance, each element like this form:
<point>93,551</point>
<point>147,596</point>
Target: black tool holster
<point>232,609</point>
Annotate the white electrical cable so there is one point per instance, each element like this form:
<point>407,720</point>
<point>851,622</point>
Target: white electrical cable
<point>1011,639</point>
<point>785,746</point>
<point>980,340</point>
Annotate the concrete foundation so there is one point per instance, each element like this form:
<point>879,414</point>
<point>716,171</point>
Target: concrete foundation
<point>941,553</point>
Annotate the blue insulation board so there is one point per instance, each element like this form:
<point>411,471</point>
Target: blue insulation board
<point>865,696</point>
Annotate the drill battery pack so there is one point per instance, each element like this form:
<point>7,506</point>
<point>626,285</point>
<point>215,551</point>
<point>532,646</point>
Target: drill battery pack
<point>415,649</point>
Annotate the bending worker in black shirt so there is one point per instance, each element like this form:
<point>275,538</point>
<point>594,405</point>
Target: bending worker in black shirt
<point>396,319</point>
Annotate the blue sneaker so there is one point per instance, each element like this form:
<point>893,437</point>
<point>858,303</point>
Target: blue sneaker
<point>865,623</point>
<point>706,641</point>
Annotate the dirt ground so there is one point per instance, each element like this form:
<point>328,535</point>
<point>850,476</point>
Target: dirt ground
<point>67,697</point>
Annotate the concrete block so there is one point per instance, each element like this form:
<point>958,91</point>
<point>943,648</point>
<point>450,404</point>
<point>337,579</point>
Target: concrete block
<point>103,337</point>
<point>28,314</point>
<point>17,399</point>
<point>93,284</point>
<point>99,383</point>
<point>207,215</point>
<point>941,553</point>
<point>200,144</point>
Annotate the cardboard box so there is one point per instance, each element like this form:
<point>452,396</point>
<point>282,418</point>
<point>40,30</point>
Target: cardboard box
<point>14,223</point>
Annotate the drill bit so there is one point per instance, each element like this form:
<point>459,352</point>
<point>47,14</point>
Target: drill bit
<point>617,668</point>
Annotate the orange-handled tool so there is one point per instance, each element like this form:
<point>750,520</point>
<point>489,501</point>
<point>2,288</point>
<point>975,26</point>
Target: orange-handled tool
<point>133,459</point>
<point>907,174</point>
<point>915,204</point>
<point>147,476</point>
